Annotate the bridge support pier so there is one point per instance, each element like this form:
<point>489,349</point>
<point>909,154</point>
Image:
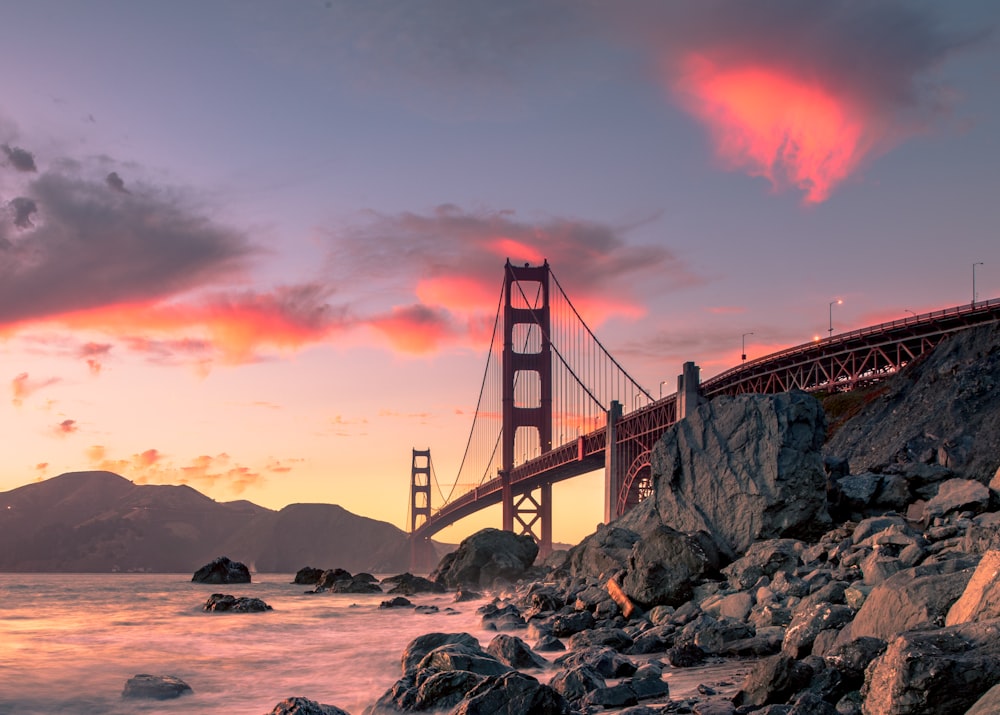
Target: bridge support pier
<point>612,464</point>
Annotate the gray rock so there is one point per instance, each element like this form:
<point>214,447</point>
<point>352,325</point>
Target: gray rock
<point>406,584</point>
<point>611,637</point>
<point>574,683</point>
<point>742,469</point>
<point>772,680</point>
<point>460,656</point>
<point>243,604</point>
<point>958,495</point>
<point>664,567</point>
<point>512,694</point>
<point>807,625</point>
<point>943,671</point>
<point>914,598</point>
<point>222,570</point>
<point>567,624</point>
<point>305,706</point>
<point>425,690</point>
<point>603,553</point>
<point>514,652</point>
<point>765,558</point>
<point>155,687</point>
<point>605,661</point>
<point>307,576</point>
<point>420,646</point>
<point>484,557</point>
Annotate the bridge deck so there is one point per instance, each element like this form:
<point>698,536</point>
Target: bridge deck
<point>839,362</point>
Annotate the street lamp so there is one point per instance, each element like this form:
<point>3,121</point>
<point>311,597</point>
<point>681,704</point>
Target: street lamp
<point>978,263</point>
<point>662,383</point>
<point>744,355</point>
<point>907,310</point>
<point>833,303</point>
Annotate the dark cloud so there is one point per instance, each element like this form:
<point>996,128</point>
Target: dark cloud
<point>450,242</point>
<point>22,208</point>
<point>879,52</point>
<point>94,248</point>
<point>115,182</point>
<point>19,158</point>
<point>67,427</point>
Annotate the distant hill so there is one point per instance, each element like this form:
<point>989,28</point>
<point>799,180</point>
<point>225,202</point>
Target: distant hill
<point>100,521</point>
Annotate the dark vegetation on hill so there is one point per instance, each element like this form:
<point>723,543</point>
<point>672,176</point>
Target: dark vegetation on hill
<point>100,521</point>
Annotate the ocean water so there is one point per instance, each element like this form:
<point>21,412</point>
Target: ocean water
<point>68,643</point>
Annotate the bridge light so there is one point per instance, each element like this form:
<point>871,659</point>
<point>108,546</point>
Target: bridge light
<point>833,303</point>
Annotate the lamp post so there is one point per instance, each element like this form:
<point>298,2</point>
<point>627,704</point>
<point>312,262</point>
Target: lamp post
<point>744,354</point>
<point>977,263</point>
<point>833,303</point>
<point>907,310</point>
<point>662,383</point>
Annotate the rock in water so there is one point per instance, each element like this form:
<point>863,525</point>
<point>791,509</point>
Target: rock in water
<point>222,570</point>
<point>226,602</point>
<point>484,557</point>
<point>305,706</point>
<point>155,687</point>
<point>741,469</point>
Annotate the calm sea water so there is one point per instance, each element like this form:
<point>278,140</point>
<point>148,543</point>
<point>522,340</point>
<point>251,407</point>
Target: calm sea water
<point>68,643</point>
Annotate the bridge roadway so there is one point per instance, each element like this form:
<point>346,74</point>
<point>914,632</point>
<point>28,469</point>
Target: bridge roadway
<point>840,362</point>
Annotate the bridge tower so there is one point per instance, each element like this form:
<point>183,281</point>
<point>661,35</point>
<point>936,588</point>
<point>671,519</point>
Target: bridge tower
<point>526,326</point>
<point>421,550</point>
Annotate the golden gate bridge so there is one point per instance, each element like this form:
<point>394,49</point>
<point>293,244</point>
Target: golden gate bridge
<point>552,404</point>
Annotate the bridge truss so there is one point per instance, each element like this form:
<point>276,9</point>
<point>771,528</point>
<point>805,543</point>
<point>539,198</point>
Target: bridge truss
<point>551,402</point>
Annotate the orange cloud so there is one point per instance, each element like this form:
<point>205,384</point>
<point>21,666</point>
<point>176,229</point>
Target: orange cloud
<point>23,386</point>
<point>460,293</point>
<point>66,427</point>
<point>771,123</point>
<point>416,329</point>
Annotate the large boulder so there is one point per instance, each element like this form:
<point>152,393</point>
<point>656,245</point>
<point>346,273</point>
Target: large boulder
<point>943,671</point>
<point>664,567</point>
<point>742,469</point>
<point>227,602</point>
<point>913,598</point>
<point>603,553</point>
<point>486,556</point>
<point>513,693</point>
<point>420,646</point>
<point>222,570</point>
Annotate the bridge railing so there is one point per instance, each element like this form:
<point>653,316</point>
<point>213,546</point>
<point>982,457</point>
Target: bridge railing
<point>860,333</point>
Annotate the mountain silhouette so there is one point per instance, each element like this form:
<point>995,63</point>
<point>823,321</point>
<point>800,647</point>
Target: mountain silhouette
<point>100,521</point>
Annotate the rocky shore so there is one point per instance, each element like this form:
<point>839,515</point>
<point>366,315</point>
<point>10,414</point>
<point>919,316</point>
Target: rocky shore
<point>852,573</point>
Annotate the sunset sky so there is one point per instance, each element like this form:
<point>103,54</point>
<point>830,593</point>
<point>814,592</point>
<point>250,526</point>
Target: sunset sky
<point>256,247</point>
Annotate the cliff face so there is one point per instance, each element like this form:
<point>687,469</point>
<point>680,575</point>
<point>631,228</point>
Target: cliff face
<point>943,410</point>
<point>99,521</point>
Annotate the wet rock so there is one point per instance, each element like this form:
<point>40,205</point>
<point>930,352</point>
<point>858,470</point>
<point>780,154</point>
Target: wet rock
<point>852,658</point>
<point>663,567</point>
<point>305,706</point>
<point>605,661</point>
<point>222,570</point>
<point>549,644</point>
<point>512,694</point>
<point>406,584</point>
<point>420,646</point>
<point>502,618</point>
<point>808,624</point>
<point>425,690</point>
<point>567,624</point>
<point>615,696</point>
<point>687,655</point>
<point>514,652</point>
<point>330,577</point>
<point>460,656</point>
<point>603,553</point>
<point>484,557</point>
<point>943,671</point>
<point>243,604</point>
<point>155,687</point>
<point>772,680</point>
<point>574,683</point>
<point>307,576</point>
<point>464,594</point>
<point>612,637</point>
<point>397,602</point>
<point>361,583</point>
